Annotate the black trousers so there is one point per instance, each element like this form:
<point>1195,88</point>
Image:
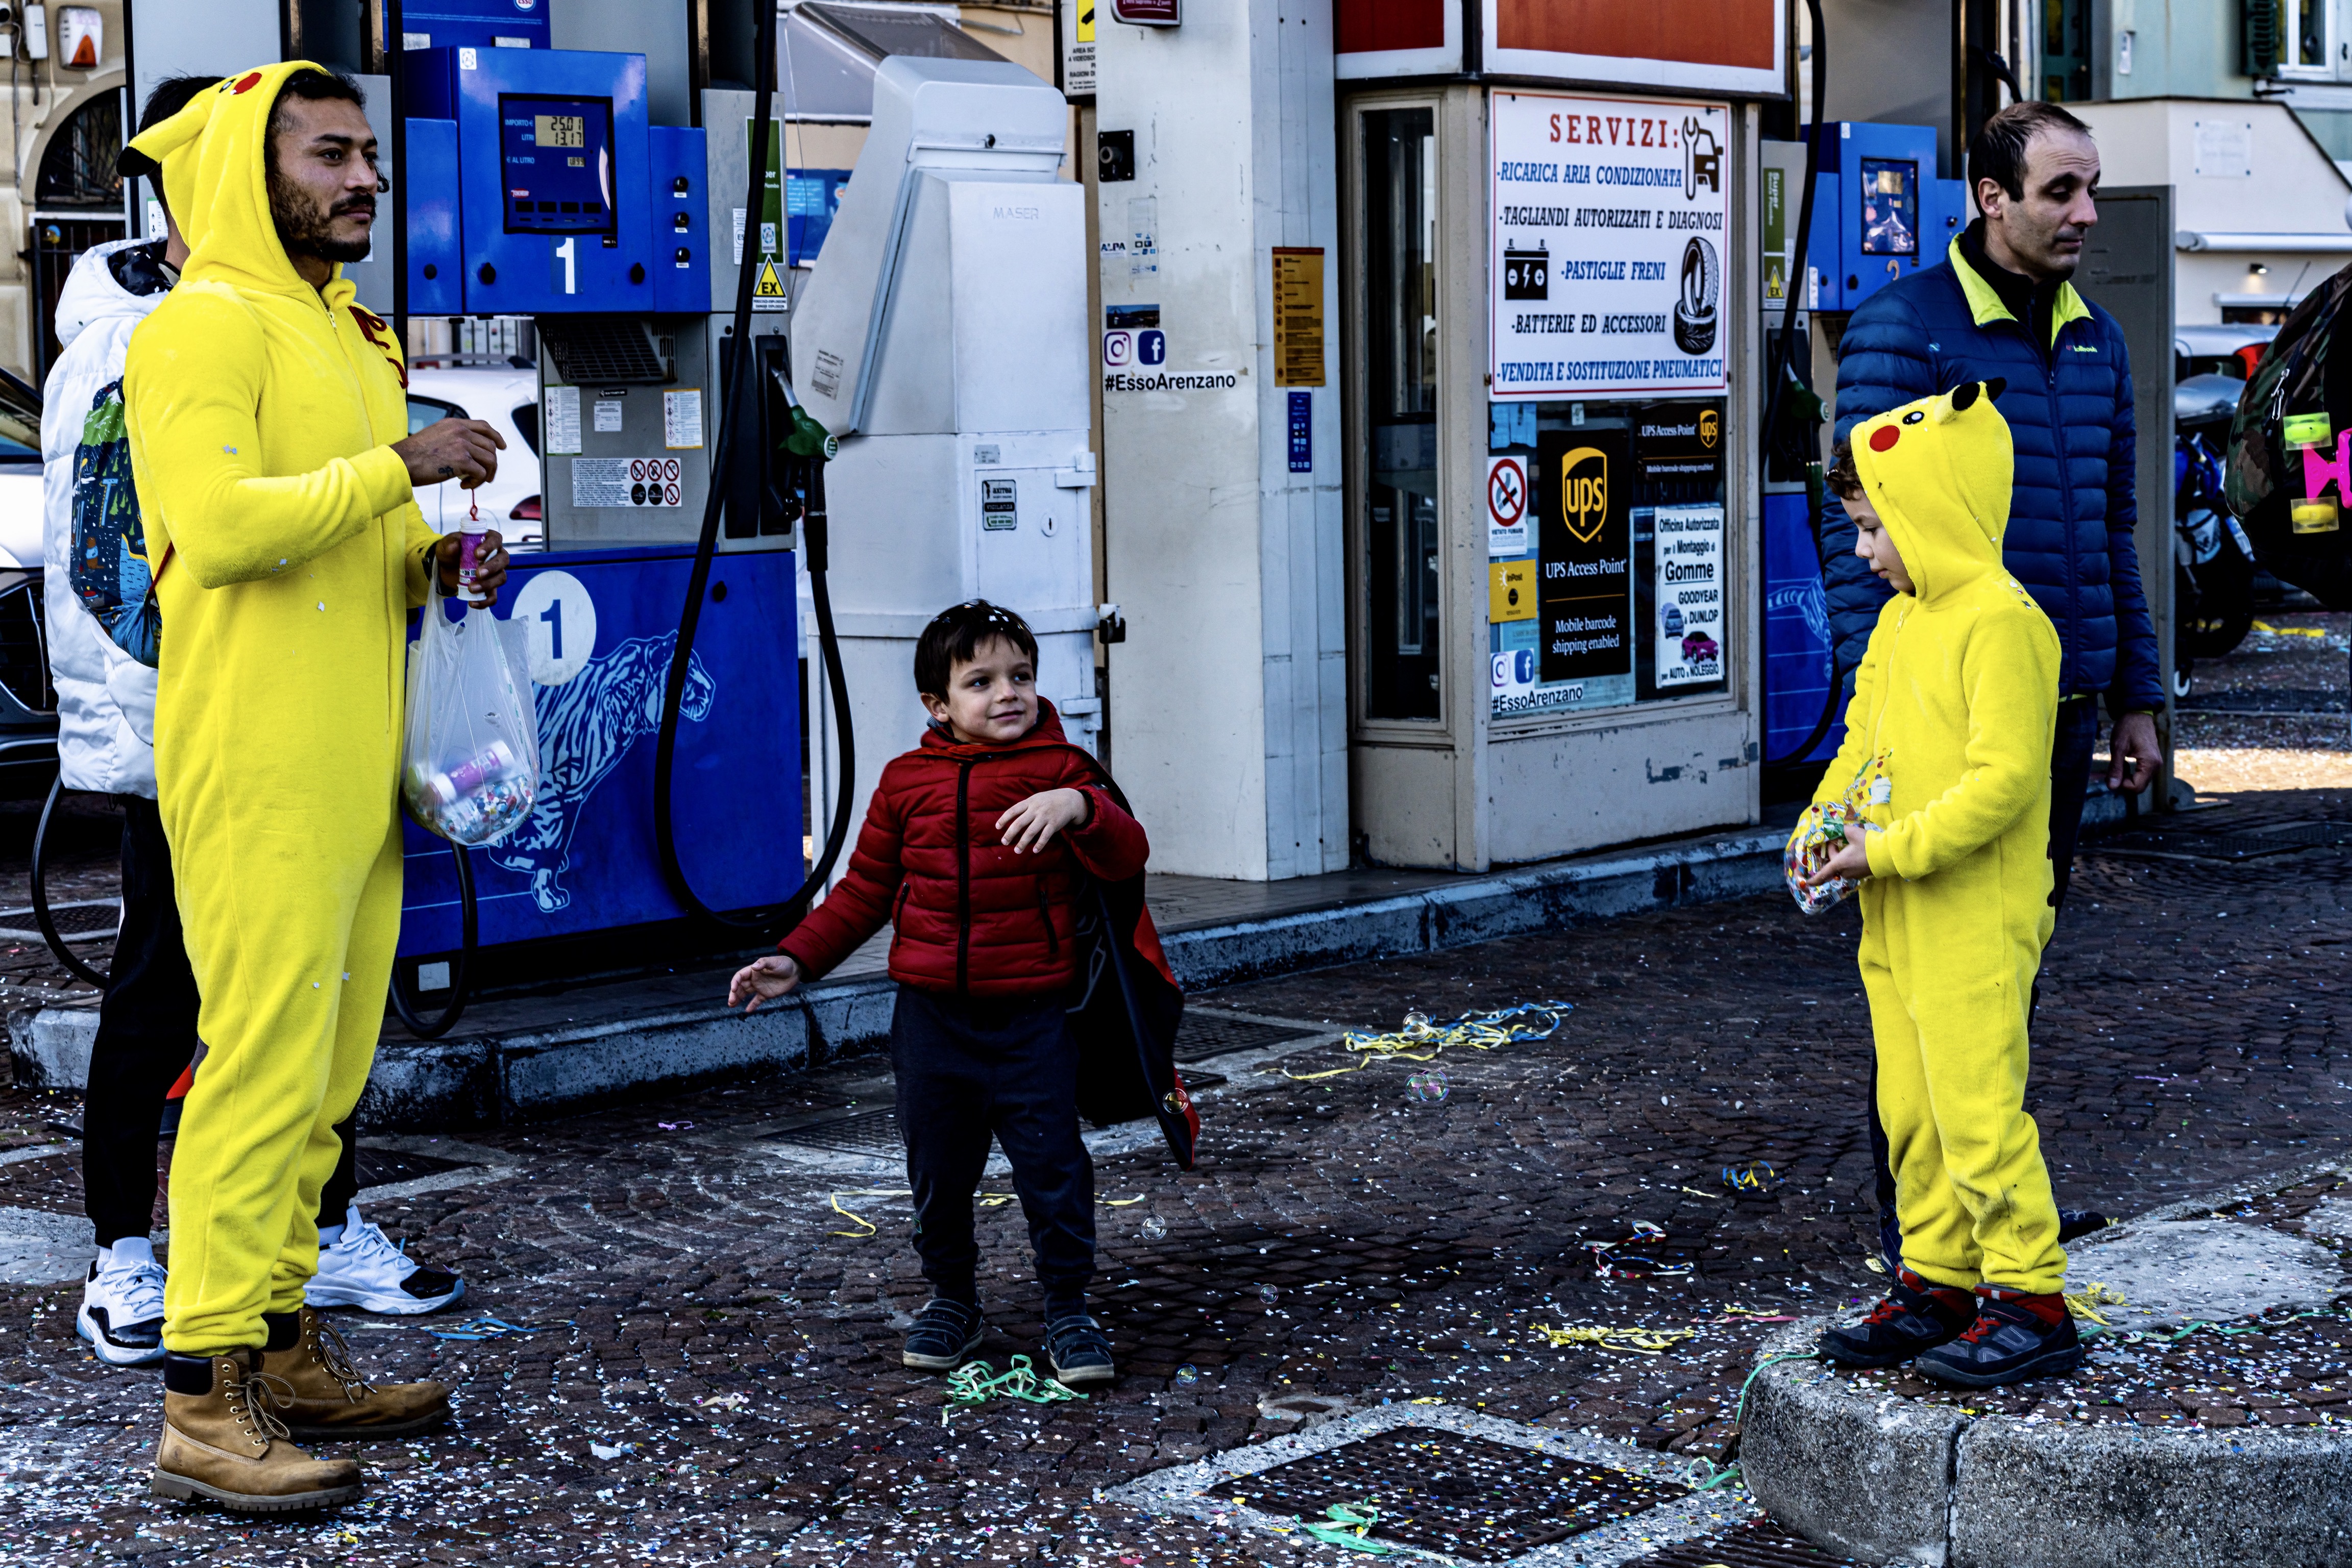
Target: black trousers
<point>146,1037</point>
<point>970,1071</point>
<point>2070,749</point>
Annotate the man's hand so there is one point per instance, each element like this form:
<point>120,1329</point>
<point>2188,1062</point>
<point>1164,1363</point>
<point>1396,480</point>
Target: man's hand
<point>2134,740</point>
<point>763,980</point>
<point>1852,862</point>
<point>1031,824</point>
<point>489,566</point>
<point>466,450</point>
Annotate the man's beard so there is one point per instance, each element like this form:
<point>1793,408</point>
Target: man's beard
<point>304,230</point>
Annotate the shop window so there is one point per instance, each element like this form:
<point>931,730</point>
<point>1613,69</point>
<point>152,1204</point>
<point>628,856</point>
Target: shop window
<point>1400,530</point>
<point>1614,591</point>
<point>2066,51</point>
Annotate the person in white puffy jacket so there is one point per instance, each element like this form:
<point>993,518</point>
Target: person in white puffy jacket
<point>106,734</point>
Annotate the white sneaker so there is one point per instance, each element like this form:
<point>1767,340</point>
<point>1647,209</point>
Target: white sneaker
<point>122,1304</point>
<point>364,1270</point>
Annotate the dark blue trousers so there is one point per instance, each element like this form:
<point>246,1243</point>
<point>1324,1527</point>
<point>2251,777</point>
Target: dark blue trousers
<point>2070,780</point>
<point>975,1070</point>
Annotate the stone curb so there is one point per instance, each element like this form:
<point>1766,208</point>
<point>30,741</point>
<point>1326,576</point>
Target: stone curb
<point>1893,1481</point>
<point>525,1074</point>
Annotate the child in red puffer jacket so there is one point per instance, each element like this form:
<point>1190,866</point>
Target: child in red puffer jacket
<point>975,846</point>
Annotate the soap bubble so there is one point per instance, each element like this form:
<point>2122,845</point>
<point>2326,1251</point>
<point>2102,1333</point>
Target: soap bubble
<point>1268,1294</point>
<point>1188,1373</point>
<point>1430,1088</point>
<point>1154,1228</point>
<point>1416,1023</point>
<point>1174,1102</point>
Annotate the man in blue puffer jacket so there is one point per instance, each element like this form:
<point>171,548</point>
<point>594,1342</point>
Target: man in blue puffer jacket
<point>2002,305</point>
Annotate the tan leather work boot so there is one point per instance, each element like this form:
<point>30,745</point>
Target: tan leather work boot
<point>226,1445</point>
<point>330,1398</point>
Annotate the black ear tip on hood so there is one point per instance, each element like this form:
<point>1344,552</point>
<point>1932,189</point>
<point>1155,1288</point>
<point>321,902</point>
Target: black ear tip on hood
<point>1995,387</point>
<point>134,165</point>
<point>1965,397</point>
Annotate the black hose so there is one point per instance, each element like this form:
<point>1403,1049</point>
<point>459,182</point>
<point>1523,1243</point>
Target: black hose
<point>1783,366</point>
<point>470,928</point>
<point>59,948</point>
<point>736,405</point>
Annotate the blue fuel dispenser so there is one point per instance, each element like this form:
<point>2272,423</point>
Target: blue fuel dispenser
<point>1880,212</point>
<point>537,186</point>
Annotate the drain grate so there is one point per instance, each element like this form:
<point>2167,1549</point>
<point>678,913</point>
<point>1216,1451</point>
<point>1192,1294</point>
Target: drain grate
<point>381,1167</point>
<point>875,1134</point>
<point>1762,1544</point>
<point>1470,1497</point>
<point>2220,846</point>
<point>1205,1035</point>
<point>84,922</point>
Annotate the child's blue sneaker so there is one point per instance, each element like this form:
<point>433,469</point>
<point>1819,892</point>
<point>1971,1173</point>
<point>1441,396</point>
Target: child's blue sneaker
<point>944,1333</point>
<point>1079,1351</point>
<point>2015,1337</point>
<point>1915,1317</point>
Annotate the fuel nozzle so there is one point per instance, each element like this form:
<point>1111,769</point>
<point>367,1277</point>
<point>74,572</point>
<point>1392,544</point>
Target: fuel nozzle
<point>808,438</point>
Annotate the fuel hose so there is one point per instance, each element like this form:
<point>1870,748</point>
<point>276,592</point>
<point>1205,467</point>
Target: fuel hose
<point>738,404</point>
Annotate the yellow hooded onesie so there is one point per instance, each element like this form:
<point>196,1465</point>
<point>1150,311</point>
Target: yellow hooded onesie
<point>261,418</point>
<point>1957,694</point>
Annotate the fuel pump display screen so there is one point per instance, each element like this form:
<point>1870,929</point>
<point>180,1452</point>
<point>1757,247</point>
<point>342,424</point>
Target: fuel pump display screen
<point>555,155</point>
<point>1890,206</point>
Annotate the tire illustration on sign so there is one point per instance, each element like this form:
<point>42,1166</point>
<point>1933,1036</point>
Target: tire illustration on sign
<point>1695,311</point>
<point>586,726</point>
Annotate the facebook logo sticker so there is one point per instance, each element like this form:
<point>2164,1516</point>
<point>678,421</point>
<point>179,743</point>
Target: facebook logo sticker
<point>1152,347</point>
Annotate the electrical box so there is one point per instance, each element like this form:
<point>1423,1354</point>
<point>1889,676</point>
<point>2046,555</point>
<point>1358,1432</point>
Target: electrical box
<point>1879,211</point>
<point>554,169</point>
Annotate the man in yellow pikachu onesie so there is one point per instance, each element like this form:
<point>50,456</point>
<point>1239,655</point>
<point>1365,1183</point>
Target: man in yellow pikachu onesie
<point>269,444</point>
<point>1950,728</point>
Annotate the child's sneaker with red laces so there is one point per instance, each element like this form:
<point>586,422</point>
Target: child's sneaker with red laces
<point>2015,1337</point>
<point>1915,1317</point>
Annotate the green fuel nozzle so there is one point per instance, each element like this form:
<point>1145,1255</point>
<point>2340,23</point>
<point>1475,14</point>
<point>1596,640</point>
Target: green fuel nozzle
<point>808,438</point>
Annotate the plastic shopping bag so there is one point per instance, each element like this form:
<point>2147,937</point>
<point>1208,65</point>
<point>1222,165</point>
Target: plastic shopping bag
<point>469,765</point>
<point>1825,828</point>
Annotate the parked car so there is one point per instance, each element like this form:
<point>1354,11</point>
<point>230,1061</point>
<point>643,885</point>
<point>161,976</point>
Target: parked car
<point>28,717</point>
<point>505,393</point>
<point>2230,349</point>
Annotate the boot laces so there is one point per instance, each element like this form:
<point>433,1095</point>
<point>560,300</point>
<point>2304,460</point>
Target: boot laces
<point>250,1399</point>
<point>329,1351</point>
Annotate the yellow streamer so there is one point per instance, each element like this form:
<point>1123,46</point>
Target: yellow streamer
<point>1420,1040</point>
<point>1643,1342</point>
<point>2087,1302</point>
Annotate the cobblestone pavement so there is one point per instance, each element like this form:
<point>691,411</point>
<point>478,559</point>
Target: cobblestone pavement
<point>710,1373</point>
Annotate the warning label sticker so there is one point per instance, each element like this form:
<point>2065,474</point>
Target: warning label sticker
<point>768,288</point>
<point>626,481</point>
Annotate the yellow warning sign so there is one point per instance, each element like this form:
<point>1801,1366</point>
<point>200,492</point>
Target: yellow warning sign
<point>768,289</point>
<point>1511,591</point>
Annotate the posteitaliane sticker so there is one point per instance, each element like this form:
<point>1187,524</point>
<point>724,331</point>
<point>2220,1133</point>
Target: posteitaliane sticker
<point>1608,256</point>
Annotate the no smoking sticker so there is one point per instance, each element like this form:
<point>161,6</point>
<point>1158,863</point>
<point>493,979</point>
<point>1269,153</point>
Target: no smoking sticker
<point>1507,507</point>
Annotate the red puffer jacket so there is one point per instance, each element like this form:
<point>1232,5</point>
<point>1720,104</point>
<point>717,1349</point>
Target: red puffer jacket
<point>974,919</point>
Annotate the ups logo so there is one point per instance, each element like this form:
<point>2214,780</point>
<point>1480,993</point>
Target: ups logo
<point>1584,492</point>
<point>1710,427</point>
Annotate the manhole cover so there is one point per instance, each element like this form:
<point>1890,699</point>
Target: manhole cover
<point>83,921</point>
<point>1204,1035</point>
<point>1468,1497</point>
<point>1762,1544</point>
<point>2205,846</point>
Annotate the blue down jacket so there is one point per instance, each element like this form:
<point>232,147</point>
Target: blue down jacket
<point>2071,515</point>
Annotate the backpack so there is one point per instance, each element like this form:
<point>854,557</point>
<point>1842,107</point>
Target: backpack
<point>1126,1017</point>
<point>108,568</point>
<point>2289,469</point>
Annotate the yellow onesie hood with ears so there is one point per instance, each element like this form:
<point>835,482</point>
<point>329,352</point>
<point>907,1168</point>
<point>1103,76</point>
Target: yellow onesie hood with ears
<point>1939,474</point>
<point>217,185</point>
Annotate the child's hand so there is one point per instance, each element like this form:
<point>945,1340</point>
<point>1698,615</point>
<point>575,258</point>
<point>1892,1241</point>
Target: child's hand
<point>1031,825</point>
<point>1852,862</point>
<point>762,981</point>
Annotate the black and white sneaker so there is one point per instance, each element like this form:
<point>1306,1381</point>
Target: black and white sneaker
<point>1079,1351</point>
<point>944,1333</point>
<point>364,1270</point>
<point>121,1312</point>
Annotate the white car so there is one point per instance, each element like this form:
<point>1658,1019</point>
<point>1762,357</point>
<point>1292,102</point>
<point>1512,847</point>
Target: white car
<point>507,396</point>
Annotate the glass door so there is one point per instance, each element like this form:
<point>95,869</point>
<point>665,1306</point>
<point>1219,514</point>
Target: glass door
<point>1401,525</point>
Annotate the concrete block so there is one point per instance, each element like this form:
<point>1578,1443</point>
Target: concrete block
<point>2054,1495</point>
<point>49,1047</point>
<point>1870,1480</point>
<point>557,1071</point>
<point>2215,1270</point>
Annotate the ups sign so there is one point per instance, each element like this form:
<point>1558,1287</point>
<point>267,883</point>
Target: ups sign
<point>1584,492</point>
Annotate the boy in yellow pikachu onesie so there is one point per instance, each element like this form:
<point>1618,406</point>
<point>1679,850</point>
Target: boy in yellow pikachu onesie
<point>1955,701</point>
<point>270,445</point>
